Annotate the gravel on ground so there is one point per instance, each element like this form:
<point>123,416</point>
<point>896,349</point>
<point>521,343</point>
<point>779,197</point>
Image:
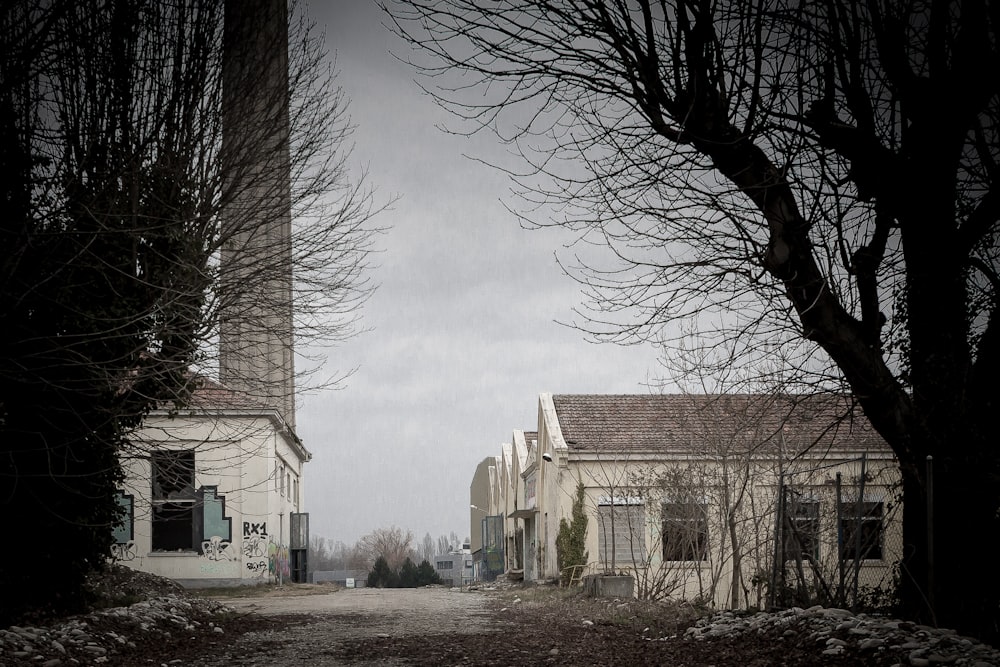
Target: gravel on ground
<point>157,623</point>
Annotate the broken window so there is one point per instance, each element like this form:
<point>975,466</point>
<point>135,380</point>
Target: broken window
<point>685,531</point>
<point>173,501</point>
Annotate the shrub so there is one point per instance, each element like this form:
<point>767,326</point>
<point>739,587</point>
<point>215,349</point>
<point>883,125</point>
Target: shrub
<point>571,539</point>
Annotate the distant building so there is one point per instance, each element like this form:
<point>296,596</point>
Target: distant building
<point>486,520</point>
<point>456,568</point>
<point>672,482</point>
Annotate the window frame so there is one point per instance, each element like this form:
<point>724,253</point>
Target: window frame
<point>792,533</point>
<point>871,519</point>
<point>173,501</point>
<point>623,542</point>
<point>691,523</point>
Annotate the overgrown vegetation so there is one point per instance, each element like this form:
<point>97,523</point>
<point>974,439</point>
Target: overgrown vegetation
<point>115,181</point>
<point>572,538</point>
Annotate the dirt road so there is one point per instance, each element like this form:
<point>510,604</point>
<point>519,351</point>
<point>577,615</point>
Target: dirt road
<point>541,627</point>
<point>332,628</point>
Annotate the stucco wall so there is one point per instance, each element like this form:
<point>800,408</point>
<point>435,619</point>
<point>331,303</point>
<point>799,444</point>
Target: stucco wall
<point>753,524</point>
<point>242,513</point>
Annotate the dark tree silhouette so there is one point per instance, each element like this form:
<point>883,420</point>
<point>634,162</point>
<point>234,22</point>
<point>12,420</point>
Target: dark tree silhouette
<point>111,285</point>
<point>817,178</point>
<point>382,576</point>
<point>426,575</point>
<point>408,575</point>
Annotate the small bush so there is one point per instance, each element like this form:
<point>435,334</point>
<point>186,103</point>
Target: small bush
<point>572,538</point>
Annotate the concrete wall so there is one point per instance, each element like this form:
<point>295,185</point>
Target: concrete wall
<point>237,499</point>
<point>462,567</point>
<point>481,495</point>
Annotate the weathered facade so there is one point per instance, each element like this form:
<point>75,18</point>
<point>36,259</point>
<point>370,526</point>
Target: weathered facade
<point>486,526</point>
<point>731,500</point>
<point>213,494</point>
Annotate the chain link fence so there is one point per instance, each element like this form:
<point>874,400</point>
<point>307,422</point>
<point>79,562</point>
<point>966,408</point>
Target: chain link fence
<point>838,539</point>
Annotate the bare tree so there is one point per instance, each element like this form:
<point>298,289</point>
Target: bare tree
<point>350,557</point>
<point>320,553</point>
<point>427,548</point>
<point>390,543</point>
<point>785,172</point>
<point>118,172</point>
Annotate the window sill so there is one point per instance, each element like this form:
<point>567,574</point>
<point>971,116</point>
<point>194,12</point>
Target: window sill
<point>173,554</point>
<point>684,563</point>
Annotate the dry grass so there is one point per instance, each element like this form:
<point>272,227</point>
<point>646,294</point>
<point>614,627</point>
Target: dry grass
<point>651,619</point>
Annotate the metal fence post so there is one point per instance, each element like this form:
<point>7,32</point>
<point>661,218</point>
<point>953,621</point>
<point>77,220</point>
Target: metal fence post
<point>930,534</point>
<point>779,552</point>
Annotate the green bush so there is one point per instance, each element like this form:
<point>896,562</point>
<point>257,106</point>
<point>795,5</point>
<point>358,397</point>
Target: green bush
<point>382,576</point>
<point>426,574</point>
<point>408,576</point>
<point>572,538</point>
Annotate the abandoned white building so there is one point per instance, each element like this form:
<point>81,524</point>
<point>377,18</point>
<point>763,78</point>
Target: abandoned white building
<point>213,494</point>
<point>213,491</point>
<point>727,499</point>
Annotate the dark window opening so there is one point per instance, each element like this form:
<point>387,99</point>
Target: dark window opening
<point>801,528</point>
<point>685,532</point>
<point>174,501</point>
<point>861,530</point>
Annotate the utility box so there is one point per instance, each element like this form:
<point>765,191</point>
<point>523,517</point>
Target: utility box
<point>609,586</point>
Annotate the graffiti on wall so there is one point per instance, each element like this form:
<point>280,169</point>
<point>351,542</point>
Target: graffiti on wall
<point>216,548</point>
<point>254,529</point>
<point>254,542</point>
<point>216,531</point>
<point>123,552</point>
<point>257,568</point>
<point>277,560</point>
<point>255,548</point>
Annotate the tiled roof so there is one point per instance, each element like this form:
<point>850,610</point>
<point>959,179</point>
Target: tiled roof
<point>694,423</point>
<point>210,395</point>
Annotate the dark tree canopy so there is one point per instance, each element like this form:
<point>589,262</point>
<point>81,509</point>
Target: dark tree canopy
<point>112,187</point>
<point>382,576</point>
<point>814,184</point>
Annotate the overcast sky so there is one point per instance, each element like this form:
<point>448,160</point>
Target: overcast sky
<point>464,321</point>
